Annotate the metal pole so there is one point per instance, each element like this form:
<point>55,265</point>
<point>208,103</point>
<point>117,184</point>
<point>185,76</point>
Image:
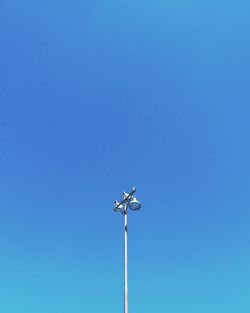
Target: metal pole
<point>125,263</point>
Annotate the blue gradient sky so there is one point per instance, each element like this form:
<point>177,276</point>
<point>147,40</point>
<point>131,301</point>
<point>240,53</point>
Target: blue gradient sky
<point>98,96</point>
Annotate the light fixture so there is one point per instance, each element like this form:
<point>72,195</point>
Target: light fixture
<point>134,204</point>
<point>118,207</point>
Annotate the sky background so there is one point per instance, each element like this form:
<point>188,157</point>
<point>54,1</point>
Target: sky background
<point>98,96</point>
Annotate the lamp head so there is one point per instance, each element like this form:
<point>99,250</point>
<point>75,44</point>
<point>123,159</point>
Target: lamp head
<point>134,204</point>
<point>118,207</point>
<point>125,195</point>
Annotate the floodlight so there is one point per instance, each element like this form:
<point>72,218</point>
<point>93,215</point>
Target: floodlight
<point>118,206</point>
<point>134,204</point>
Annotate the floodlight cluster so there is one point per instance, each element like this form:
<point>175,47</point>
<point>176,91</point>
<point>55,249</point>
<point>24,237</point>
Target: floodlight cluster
<point>129,200</point>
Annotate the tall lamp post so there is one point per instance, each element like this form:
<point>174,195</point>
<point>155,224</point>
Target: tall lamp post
<point>129,201</point>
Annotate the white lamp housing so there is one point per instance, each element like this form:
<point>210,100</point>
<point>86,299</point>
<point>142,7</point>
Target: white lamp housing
<point>117,206</point>
<point>134,204</point>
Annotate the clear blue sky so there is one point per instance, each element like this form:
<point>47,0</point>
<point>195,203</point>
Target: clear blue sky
<point>98,96</point>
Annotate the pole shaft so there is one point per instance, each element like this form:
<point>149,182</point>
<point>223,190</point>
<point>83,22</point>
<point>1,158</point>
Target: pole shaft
<point>125,263</point>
